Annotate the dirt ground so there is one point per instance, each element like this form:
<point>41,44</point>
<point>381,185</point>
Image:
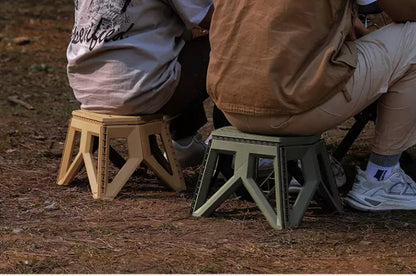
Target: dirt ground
<point>46,228</point>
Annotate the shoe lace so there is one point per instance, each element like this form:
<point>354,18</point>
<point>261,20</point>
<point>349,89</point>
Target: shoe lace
<point>411,185</point>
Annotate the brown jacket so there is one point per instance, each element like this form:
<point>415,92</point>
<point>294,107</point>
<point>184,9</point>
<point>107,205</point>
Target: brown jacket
<point>279,56</point>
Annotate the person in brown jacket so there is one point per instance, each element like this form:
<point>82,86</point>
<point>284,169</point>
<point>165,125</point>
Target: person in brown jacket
<point>301,68</point>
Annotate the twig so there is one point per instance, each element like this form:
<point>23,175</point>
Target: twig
<point>5,187</point>
<point>16,100</point>
<point>25,254</point>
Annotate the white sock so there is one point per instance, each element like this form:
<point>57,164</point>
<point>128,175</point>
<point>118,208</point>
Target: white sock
<point>378,173</point>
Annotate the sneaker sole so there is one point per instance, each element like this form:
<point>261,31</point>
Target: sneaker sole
<point>362,205</point>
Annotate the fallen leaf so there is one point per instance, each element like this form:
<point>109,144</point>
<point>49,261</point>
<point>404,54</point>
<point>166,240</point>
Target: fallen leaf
<point>363,242</point>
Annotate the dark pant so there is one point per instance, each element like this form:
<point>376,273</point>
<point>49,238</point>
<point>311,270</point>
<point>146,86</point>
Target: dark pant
<point>187,101</point>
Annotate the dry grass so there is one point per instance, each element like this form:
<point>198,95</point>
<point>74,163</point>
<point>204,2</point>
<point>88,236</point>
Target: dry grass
<point>46,228</point>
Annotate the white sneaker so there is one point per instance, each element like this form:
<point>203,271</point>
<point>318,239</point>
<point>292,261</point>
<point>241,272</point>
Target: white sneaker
<point>398,192</point>
<point>192,154</point>
<point>294,186</point>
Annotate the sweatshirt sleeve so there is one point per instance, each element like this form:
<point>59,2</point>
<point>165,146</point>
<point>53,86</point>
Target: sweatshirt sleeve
<point>192,12</point>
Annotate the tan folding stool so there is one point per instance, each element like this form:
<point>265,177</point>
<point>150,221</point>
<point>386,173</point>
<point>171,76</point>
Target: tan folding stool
<point>139,131</point>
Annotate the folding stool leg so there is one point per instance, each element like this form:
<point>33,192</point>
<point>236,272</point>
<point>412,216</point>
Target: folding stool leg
<point>204,206</point>
<point>69,174</point>
<point>243,175</point>
<point>275,217</point>
<point>135,157</point>
<point>173,179</point>
<point>206,179</point>
<point>86,146</point>
<point>67,170</point>
<point>158,154</point>
<point>176,177</point>
<point>327,187</point>
<point>311,175</point>
<point>221,195</point>
<point>115,157</point>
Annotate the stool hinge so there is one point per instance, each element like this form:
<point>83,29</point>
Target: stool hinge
<point>200,177</point>
<point>104,165</point>
<point>284,186</point>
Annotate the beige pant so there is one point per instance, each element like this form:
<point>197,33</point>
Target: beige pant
<point>386,71</point>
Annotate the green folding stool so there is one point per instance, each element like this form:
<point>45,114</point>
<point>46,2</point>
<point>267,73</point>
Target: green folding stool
<point>247,148</point>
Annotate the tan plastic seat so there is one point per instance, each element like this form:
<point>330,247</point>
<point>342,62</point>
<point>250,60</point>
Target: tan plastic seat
<point>246,149</point>
<point>140,133</point>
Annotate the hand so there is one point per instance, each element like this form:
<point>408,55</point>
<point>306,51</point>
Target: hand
<point>358,29</point>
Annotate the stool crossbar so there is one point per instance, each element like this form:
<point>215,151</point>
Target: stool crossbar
<point>139,132</point>
<point>247,148</point>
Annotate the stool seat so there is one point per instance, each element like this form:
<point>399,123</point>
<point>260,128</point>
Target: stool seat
<point>108,119</point>
<point>233,133</point>
<point>246,150</point>
<point>140,133</point>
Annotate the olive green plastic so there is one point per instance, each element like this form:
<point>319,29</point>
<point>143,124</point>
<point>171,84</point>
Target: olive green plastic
<point>246,148</point>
